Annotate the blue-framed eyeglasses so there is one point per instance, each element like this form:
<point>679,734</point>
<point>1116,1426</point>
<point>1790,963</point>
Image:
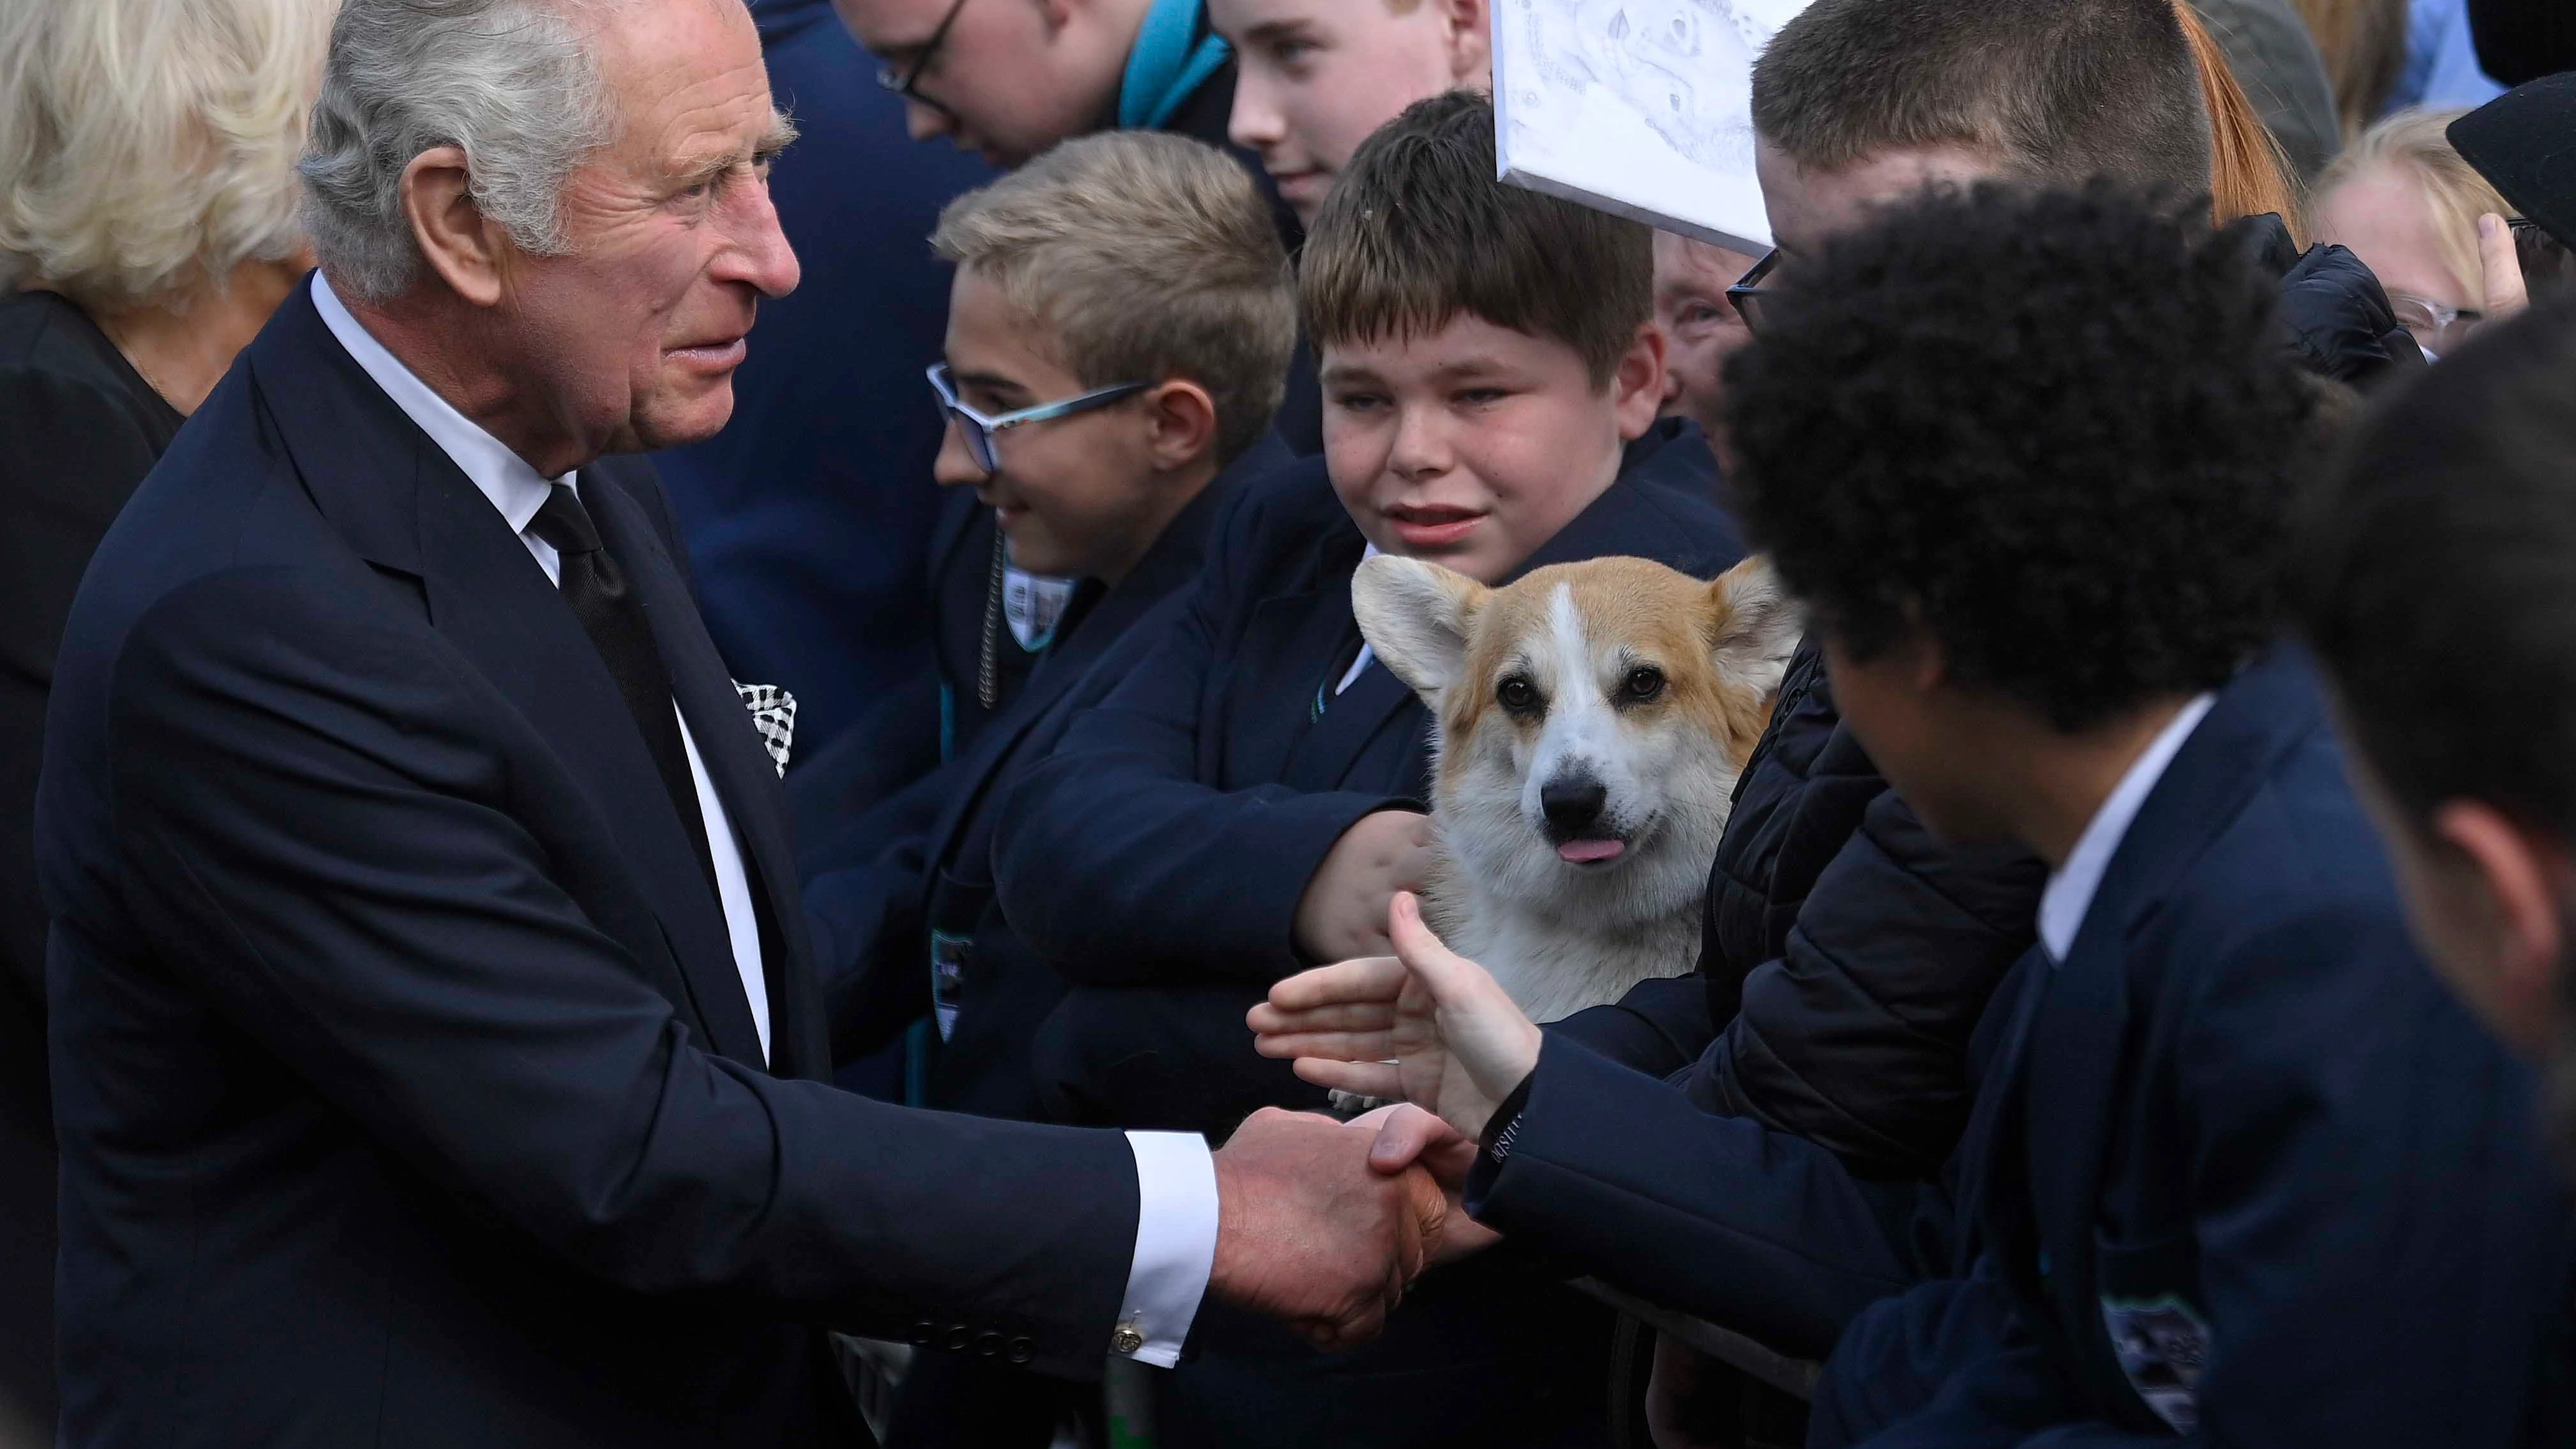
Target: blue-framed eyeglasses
<point>978,428</point>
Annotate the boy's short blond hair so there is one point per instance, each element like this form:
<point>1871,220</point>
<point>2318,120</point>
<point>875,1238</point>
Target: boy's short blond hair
<point>147,147</point>
<point>1148,257</point>
<point>1417,231</point>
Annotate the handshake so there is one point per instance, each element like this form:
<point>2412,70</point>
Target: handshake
<point>1323,1224</point>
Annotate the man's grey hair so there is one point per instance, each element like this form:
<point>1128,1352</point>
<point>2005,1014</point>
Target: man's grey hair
<point>512,83</point>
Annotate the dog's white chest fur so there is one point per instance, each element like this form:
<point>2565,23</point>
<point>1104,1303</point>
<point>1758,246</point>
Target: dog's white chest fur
<point>1592,720</point>
<point>1554,966</point>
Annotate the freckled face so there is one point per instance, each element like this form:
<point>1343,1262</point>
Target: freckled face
<point>636,332</point>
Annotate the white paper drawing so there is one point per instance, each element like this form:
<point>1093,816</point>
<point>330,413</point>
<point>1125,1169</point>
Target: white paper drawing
<point>1641,107</point>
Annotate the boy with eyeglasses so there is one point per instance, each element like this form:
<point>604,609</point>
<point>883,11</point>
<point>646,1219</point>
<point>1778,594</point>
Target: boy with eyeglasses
<point>1120,322</point>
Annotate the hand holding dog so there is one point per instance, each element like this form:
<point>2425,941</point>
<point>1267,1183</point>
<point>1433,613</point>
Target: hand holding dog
<point>1425,1025</point>
<point>1343,912</point>
<point>1310,1232</point>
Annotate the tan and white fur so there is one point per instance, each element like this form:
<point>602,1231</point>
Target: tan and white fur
<point>1592,719</point>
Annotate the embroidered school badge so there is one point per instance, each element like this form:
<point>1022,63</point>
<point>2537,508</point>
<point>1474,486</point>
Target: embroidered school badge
<point>2160,1344</point>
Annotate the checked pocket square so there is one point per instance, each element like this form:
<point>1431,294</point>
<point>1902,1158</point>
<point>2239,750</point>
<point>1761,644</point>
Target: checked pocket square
<point>773,713</point>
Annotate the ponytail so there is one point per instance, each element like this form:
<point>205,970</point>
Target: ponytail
<point>2249,175</point>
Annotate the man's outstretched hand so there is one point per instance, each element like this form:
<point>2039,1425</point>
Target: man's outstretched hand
<point>1310,1233</point>
<point>1424,1025</point>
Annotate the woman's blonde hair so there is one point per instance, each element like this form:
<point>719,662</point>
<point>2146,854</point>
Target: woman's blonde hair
<point>147,147</point>
<point>2418,143</point>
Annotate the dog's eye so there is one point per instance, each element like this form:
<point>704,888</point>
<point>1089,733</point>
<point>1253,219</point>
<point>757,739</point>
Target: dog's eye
<point>1516,694</point>
<point>1643,683</point>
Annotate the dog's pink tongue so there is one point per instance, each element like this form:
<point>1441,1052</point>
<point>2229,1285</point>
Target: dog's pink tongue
<point>1584,852</point>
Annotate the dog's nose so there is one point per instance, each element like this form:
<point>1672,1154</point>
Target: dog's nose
<point>1572,803</point>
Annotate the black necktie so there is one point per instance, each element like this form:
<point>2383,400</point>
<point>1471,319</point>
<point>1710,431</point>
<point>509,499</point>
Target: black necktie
<point>614,618</point>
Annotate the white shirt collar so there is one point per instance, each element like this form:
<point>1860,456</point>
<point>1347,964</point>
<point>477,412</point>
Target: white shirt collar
<point>502,475</point>
<point>2070,890</point>
<point>1367,655</point>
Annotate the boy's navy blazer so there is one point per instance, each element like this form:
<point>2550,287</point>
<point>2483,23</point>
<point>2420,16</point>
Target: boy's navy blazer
<point>884,876</point>
<point>2244,1126</point>
<point>1167,838</point>
<point>407,1088</point>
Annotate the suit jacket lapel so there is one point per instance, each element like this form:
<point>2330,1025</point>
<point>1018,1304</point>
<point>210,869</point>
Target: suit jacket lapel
<point>405,507</point>
<point>2073,1077</point>
<point>736,762</point>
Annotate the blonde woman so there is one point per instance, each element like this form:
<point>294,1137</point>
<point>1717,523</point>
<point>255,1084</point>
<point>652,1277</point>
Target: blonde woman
<point>147,203</point>
<point>2407,204</point>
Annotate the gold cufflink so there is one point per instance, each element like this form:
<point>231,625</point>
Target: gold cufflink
<point>1128,1338</point>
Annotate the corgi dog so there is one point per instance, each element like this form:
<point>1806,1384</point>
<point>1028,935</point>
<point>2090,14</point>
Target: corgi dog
<point>1591,720</point>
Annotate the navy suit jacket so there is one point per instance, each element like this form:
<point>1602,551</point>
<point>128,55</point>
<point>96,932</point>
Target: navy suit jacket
<point>2248,1159</point>
<point>407,1089</point>
<point>1167,839</point>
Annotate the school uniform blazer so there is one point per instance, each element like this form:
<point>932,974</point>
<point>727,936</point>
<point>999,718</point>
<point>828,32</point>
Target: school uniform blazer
<point>2249,1166</point>
<point>1167,839</point>
<point>924,858</point>
<point>407,1087</point>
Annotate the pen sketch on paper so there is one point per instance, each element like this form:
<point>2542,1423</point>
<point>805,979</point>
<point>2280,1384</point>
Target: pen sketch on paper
<point>1642,107</point>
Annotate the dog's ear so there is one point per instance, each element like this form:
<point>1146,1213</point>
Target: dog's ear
<point>1416,616</point>
<point>1754,626</point>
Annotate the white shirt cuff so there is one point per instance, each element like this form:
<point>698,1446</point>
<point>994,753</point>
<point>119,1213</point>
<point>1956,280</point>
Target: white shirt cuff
<point>1176,1219</point>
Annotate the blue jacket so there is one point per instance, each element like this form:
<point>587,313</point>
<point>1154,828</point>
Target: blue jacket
<point>407,1086</point>
<point>809,517</point>
<point>881,881</point>
<point>2247,1166</point>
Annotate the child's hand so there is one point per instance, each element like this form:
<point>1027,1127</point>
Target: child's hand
<point>1343,912</point>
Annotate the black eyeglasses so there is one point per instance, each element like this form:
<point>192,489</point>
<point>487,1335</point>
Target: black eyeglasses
<point>2547,264</point>
<point>904,82</point>
<point>1747,295</point>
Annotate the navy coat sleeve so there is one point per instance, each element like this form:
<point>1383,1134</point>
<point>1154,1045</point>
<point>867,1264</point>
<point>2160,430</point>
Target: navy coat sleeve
<point>1115,861</point>
<point>310,829</point>
<point>1757,1230</point>
<point>864,898</point>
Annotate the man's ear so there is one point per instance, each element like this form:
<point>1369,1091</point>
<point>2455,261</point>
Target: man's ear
<point>1468,35</point>
<point>460,244</point>
<point>1754,626</point>
<point>2522,878</point>
<point>1637,384</point>
<point>1180,419</point>
<point>1416,615</point>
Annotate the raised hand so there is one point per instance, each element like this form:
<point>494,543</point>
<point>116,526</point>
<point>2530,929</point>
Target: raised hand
<point>1342,912</point>
<point>1424,1025</point>
<point>1310,1233</point>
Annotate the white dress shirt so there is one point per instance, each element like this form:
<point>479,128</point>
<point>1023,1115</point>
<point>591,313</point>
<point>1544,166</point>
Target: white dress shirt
<point>2071,887</point>
<point>1175,1177</point>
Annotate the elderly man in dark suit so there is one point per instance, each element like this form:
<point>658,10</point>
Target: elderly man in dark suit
<point>436,1039</point>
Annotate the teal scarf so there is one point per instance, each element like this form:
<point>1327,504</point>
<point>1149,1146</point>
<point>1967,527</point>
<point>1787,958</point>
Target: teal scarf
<point>1166,65</point>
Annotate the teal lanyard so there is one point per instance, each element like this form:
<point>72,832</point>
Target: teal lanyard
<point>1170,61</point>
